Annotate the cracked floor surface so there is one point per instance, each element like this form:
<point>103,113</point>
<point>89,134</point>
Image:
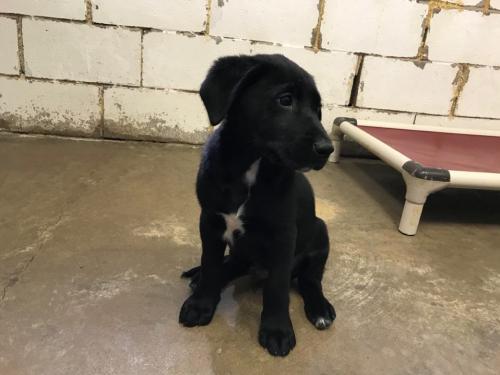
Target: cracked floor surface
<point>94,235</point>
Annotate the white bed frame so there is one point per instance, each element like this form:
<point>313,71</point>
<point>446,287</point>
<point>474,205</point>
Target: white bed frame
<point>420,181</point>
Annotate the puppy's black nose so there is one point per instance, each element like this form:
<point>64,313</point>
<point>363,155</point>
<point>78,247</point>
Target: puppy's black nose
<point>323,148</point>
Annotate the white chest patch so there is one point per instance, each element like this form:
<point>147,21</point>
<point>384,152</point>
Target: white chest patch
<point>251,173</point>
<point>233,220</point>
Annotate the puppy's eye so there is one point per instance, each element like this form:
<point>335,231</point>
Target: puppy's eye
<point>285,100</point>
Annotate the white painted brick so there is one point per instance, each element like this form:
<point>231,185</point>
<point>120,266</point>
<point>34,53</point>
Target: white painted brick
<point>181,62</point>
<point>9,62</point>
<point>401,85</point>
<point>458,122</point>
<point>277,21</point>
<point>333,71</point>
<point>154,114</point>
<point>331,112</point>
<point>46,107</point>
<point>465,36</point>
<point>186,15</point>
<point>384,27</point>
<point>481,94</point>
<point>81,52</point>
<point>72,9</point>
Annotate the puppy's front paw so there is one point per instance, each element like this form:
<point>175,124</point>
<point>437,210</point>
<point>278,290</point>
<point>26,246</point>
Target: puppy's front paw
<point>278,341</point>
<point>198,311</point>
<point>320,313</point>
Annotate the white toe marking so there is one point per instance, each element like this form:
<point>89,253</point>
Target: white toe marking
<point>322,322</point>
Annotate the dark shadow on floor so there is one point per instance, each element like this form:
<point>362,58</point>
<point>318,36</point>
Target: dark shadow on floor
<point>468,206</point>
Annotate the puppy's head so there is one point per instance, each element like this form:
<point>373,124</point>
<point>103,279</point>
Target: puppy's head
<point>273,103</point>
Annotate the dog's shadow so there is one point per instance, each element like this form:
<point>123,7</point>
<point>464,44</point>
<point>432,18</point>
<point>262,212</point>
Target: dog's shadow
<point>386,186</point>
<point>241,303</point>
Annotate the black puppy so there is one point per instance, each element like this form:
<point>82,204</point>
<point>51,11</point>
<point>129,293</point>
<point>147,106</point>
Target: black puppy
<point>254,197</point>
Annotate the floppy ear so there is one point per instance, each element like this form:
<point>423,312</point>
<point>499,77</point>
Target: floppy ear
<point>225,80</point>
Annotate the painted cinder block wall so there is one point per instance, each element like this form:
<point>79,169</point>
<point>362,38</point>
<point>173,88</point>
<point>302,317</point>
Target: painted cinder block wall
<point>130,69</point>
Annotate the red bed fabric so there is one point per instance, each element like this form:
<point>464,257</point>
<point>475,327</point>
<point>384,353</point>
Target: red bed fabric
<point>459,152</point>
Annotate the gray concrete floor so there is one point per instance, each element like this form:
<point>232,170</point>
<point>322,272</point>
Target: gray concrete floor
<point>94,235</point>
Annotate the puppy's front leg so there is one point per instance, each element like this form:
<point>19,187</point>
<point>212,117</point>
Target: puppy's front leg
<point>276,330</point>
<point>199,308</point>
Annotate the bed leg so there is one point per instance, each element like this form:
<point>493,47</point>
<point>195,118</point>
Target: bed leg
<point>417,191</point>
<point>337,138</point>
<point>410,218</point>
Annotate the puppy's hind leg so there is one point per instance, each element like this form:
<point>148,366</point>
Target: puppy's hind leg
<point>318,310</point>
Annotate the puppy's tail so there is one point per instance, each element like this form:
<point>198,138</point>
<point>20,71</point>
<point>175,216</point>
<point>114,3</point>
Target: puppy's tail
<point>191,272</point>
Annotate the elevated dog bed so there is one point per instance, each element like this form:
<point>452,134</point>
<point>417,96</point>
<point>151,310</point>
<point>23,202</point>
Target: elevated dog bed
<point>429,158</point>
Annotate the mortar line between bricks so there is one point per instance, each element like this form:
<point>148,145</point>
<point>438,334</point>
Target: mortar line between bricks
<point>98,139</point>
<point>420,113</point>
<point>317,37</point>
<point>411,59</point>
<point>461,79</point>
<point>12,76</point>
<point>94,83</point>
<point>356,82</point>
<point>423,49</point>
<point>208,18</point>
<point>389,111</point>
<point>380,110</point>
<point>460,117</point>
<point>142,59</point>
<point>20,46</point>
<point>79,22</point>
<point>395,111</point>
<point>70,81</point>
<point>101,111</point>
<point>470,8</point>
<point>100,25</point>
<point>88,11</point>
<point>487,7</point>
